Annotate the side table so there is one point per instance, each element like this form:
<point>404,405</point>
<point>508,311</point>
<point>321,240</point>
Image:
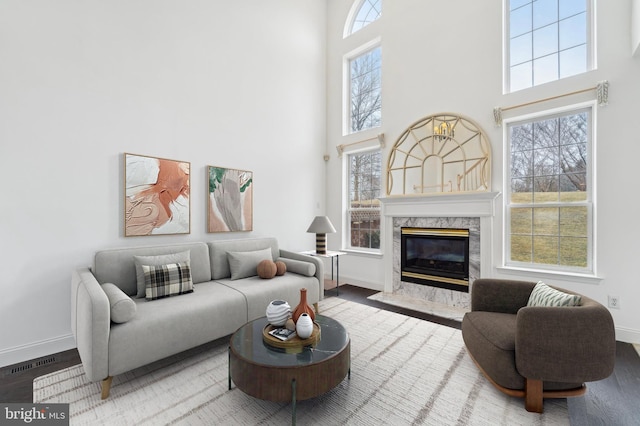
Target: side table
<point>335,257</point>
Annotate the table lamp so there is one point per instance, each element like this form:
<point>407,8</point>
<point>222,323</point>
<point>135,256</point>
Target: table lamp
<point>321,226</point>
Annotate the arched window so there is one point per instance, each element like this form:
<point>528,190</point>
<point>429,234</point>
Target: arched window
<point>362,14</point>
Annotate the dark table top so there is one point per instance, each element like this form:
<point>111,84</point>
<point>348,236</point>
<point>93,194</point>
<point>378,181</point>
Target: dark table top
<point>247,342</point>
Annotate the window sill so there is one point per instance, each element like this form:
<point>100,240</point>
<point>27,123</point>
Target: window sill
<point>559,275</point>
<point>364,253</point>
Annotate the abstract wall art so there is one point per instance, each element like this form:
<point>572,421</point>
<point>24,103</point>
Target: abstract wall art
<point>157,196</point>
<point>230,204</point>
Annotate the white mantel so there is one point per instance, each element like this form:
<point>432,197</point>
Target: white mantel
<point>445,205</point>
<point>455,204</point>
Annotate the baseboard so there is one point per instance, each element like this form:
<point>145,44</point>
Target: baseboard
<point>358,283</point>
<point>627,335</point>
<point>34,350</point>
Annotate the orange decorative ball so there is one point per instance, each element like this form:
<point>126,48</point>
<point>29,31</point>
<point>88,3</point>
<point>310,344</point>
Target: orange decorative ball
<point>267,269</point>
<point>281,268</point>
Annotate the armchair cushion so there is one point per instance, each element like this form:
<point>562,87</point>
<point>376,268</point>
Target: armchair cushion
<point>121,306</point>
<point>492,337</point>
<point>543,295</point>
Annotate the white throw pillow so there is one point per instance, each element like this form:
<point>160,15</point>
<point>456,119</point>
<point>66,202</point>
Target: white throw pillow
<point>543,295</point>
<point>122,307</point>
<point>164,259</point>
<point>244,264</point>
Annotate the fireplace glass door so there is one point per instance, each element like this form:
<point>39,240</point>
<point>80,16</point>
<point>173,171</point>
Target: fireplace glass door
<point>436,257</point>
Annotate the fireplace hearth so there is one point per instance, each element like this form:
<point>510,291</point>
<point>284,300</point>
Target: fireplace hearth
<point>437,257</point>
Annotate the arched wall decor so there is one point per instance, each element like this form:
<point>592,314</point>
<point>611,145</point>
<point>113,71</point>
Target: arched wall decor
<point>440,153</point>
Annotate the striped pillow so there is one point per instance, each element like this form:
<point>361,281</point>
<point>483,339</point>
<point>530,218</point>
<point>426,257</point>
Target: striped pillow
<point>167,280</point>
<point>543,295</point>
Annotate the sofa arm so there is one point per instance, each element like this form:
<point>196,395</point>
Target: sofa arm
<point>306,258</point>
<point>565,344</point>
<point>90,323</point>
<point>499,295</point>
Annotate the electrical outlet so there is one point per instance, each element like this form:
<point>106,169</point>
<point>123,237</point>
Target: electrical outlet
<point>614,302</point>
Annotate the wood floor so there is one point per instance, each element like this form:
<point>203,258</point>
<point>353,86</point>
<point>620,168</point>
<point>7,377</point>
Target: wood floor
<point>613,401</point>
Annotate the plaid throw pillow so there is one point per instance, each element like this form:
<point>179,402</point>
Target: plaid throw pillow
<point>167,280</point>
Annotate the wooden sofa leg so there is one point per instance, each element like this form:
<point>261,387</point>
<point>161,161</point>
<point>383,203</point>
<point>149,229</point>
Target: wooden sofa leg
<point>533,396</point>
<point>106,387</point>
<point>315,306</point>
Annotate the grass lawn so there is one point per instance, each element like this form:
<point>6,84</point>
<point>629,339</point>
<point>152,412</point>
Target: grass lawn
<point>549,234</point>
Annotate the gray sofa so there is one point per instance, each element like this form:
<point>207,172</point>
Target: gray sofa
<point>217,307</point>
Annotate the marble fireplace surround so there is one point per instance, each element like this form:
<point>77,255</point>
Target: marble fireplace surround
<point>472,210</point>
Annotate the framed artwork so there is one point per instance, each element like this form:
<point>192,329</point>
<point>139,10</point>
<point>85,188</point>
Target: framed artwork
<point>230,203</point>
<point>157,196</point>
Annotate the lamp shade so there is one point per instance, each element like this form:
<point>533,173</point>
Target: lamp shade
<point>321,225</point>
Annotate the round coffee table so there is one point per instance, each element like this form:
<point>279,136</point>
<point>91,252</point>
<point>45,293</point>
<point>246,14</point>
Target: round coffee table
<point>272,374</point>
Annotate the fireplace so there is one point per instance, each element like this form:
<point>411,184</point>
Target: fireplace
<point>437,257</point>
<point>472,211</point>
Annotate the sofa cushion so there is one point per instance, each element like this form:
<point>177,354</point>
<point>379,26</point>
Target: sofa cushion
<point>167,326</point>
<point>243,264</point>
<point>219,249</point>
<point>164,259</point>
<point>167,280</point>
<point>543,295</point>
<point>121,306</point>
<point>117,266</point>
<point>258,293</point>
<point>301,267</point>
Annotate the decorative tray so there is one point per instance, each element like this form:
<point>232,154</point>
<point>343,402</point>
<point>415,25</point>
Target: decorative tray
<point>293,343</point>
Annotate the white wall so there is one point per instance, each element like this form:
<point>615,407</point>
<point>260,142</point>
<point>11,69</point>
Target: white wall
<point>635,27</point>
<point>447,57</point>
<point>236,84</point>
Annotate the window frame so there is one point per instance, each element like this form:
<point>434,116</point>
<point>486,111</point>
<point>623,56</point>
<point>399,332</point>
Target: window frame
<point>590,203</point>
<point>347,200</point>
<point>590,47</point>
<point>353,15</point>
<point>362,50</point>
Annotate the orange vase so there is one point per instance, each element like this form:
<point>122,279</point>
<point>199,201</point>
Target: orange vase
<point>303,306</point>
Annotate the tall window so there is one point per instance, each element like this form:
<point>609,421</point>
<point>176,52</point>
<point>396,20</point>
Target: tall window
<point>550,206</point>
<point>364,206</point>
<point>365,89</point>
<point>363,13</point>
<point>548,40</point>
<point>362,111</point>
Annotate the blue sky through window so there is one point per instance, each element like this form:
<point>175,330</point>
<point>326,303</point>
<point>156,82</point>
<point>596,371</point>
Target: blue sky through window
<point>547,41</point>
<point>369,11</point>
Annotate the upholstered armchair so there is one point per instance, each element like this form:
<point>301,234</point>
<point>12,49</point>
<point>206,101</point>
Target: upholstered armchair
<point>536,352</point>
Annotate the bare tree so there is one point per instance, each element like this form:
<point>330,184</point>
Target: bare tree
<point>365,179</point>
<point>365,168</point>
<point>550,155</point>
<point>365,91</point>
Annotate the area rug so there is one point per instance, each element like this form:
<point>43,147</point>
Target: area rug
<point>404,371</point>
